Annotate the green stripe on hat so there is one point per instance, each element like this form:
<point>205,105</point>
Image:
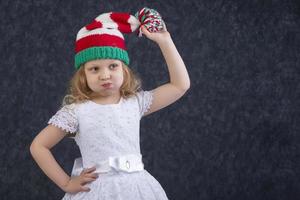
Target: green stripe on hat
<point>103,52</point>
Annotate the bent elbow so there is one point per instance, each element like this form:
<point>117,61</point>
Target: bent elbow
<point>185,88</point>
<point>33,147</point>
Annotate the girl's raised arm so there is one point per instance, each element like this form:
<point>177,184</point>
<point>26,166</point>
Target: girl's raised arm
<point>179,83</point>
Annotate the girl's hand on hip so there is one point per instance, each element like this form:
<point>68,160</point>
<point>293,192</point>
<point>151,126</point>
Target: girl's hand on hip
<point>157,37</point>
<point>76,183</point>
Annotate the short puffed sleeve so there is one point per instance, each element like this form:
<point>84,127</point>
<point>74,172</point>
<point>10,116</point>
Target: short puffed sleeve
<point>145,99</point>
<point>65,118</point>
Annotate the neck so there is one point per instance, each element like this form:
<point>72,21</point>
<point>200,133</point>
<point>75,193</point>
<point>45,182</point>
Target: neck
<point>114,98</point>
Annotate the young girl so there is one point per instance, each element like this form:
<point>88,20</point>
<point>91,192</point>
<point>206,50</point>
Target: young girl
<point>104,108</point>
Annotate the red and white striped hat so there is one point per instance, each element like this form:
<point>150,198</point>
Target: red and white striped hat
<point>103,37</point>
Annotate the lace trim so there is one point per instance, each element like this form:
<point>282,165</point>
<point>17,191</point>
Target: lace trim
<point>148,100</point>
<point>66,129</point>
<point>65,118</point>
<point>145,99</point>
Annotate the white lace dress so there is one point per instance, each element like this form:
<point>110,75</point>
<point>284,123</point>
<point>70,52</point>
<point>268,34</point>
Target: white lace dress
<point>110,130</point>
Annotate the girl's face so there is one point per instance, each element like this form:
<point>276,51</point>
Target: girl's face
<point>104,71</point>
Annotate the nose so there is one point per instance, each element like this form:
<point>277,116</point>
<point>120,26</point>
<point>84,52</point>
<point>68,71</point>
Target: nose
<point>104,75</point>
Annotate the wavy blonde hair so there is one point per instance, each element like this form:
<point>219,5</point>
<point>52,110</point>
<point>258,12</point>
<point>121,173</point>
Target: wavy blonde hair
<point>78,90</point>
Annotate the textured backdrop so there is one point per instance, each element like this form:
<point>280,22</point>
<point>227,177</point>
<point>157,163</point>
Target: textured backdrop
<point>233,135</point>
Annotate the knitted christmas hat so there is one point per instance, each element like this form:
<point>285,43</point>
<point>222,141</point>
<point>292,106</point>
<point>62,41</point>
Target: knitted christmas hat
<point>103,37</point>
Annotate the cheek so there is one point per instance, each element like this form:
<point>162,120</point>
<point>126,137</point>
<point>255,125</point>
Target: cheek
<point>90,79</point>
<point>119,77</point>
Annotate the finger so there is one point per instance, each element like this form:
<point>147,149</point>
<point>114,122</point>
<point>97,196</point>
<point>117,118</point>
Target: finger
<point>145,30</point>
<point>87,180</point>
<point>88,170</point>
<point>165,27</point>
<point>95,175</point>
<point>85,189</point>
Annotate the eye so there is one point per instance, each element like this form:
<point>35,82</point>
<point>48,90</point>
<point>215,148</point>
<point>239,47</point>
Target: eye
<point>94,69</point>
<point>114,65</point>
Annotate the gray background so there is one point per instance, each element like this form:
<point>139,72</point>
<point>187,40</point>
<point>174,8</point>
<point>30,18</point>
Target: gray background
<point>233,135</point>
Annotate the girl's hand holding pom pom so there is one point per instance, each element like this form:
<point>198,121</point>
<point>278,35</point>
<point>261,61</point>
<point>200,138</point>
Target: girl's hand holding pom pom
<point>76,183</point>
<point>157,37</point>
<point>152,25</point>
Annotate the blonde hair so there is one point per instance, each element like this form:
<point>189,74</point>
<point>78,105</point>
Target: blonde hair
<point>78,90</point>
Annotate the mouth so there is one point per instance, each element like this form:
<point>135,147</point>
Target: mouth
<point>107,85</point>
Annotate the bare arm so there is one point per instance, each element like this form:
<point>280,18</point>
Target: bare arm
<point>40,151</point>
<point>179,83</point>
<point>179,77</point>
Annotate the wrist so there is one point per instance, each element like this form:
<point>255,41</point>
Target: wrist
<point>165,41</point>
<point>65,185</point>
